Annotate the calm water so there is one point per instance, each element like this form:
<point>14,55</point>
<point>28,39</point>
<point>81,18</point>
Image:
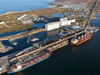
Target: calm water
<point>76,60</point>
<point>80,13</point>
<point>10,33</point>
<point>22,5</point>
<point>60,15</point>
<point>39,25</point>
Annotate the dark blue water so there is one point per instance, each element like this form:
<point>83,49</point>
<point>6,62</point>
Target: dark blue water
<point>69,13</point>
<point>22,5</point>
<point>22,43</point>
<point>60,15</point>
<point>11,33</point>
<point>76,60</point>
<point>80,13</point>
<point>69,60</point>
<point>98,16</point>
<point>39,25</point>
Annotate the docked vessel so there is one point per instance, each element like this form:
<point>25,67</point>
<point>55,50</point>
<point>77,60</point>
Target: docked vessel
<point>81,39</point>
<point>28,40</point>
<point>25,61</point>
<point>14,43</point>
<point>35,39</point>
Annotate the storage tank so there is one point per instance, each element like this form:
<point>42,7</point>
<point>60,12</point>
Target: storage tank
<point>51,26</point>
<point>63,21</point>
<point>69,22</point>
<point>73,20</point>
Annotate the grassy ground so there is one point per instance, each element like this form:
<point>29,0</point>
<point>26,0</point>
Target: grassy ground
<point>81,19</point>
<point>10,18</point>
<point>23,27</point>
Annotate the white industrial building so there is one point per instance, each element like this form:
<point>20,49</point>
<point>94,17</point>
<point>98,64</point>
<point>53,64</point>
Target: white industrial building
<point>51,26</point>
<point>62,22</point>
<point>73,20</point>
<point>65,21</point>
<point>69,22</point>
<point>20,17</point>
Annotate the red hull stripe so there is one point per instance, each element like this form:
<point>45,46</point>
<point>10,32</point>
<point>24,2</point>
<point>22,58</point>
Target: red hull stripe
<point>81,42</point>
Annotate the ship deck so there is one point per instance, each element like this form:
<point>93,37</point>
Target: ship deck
<point>31,56</point>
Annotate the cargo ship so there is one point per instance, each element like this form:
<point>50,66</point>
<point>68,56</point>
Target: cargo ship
<point>81,39</point>
<point>25,61</point>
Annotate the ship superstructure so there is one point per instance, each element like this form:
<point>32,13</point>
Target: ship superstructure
<point>81,39</point>
<point>25,61</point>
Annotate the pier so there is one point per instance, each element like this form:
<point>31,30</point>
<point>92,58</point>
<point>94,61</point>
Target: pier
<point>26,52</point>
<point>4,48</point>
<point>91,14</point>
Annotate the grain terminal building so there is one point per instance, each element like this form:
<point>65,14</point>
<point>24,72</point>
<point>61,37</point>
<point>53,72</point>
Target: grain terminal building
<point>62,22</point>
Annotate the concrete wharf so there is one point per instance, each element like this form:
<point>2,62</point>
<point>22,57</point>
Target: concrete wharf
<point>48,46</point>
<point>51,47</point>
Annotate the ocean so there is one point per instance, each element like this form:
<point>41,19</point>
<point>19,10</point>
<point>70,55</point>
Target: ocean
<point>23,5</point>
<point>83,59</point>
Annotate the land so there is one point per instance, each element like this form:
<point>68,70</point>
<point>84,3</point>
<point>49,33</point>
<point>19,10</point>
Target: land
<point>50,44</point>
<point>89,2</point>
<point>15,25</point>
<point>12,24</point>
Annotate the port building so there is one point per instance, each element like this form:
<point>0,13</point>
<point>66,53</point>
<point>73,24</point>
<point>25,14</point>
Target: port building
<point>62,22</point>
<point>51,26</point>
<point>20,17</point>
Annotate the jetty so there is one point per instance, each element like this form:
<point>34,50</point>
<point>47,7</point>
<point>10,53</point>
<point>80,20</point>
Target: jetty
<point>4,48</point>
<point>58,43</point>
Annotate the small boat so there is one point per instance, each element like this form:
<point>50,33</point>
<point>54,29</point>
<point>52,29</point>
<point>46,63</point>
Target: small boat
<point>35,39</point>
<point>14,43</point>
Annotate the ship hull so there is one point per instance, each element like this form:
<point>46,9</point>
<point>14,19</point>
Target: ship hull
<point>81,41</point>
<point>28,66</point>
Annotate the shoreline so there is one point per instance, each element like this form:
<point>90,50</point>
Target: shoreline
<point>41,12</point>
<point>11,12</point>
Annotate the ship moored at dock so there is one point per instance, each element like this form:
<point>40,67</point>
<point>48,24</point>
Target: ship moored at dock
<point>22,60</point>
<point>81,39</point>
<point>27,61</point>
